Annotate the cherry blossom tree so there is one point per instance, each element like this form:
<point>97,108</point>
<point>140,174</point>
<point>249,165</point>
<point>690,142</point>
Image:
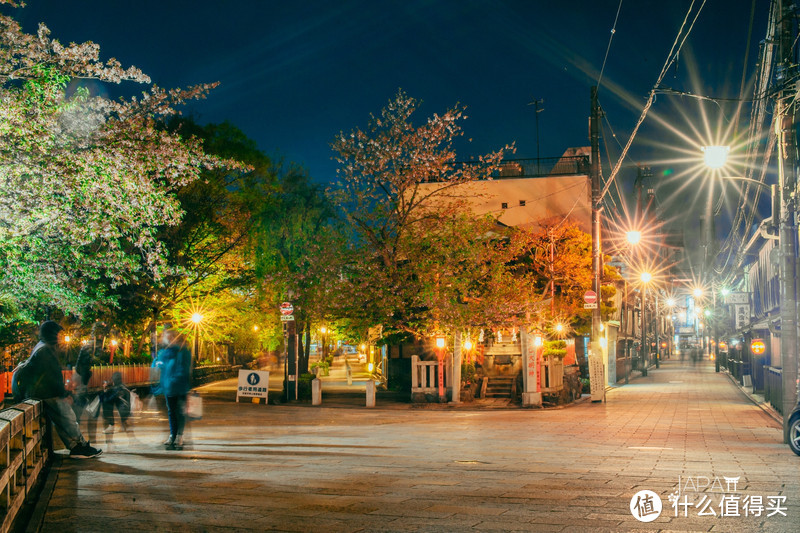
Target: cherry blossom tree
<point>412,265</point>
<point>85,182</point>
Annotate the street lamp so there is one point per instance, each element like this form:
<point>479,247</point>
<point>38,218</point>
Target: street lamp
<point>715,156</point>
<point>645,278</point>
<point>196,319</point>
<point>633,237</point>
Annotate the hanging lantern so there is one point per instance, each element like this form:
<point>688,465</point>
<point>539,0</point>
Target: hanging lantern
<point>758,346</point>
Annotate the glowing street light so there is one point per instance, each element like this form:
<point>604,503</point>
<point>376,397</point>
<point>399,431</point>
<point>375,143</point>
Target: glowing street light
<point>715,156</point>
<point>633,237</point>
<point>196,319</point>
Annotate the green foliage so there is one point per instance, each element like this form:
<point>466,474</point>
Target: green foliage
<point>557,348</point>
<point>468,373</point>
<point>322,366</point>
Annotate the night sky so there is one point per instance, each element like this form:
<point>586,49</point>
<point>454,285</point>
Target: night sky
<point>293,74</point>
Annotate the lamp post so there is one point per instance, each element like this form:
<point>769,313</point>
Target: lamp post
<point>784,214</point>
<point>645,278</point>
<point>633,237</point>
<point>196,319</point>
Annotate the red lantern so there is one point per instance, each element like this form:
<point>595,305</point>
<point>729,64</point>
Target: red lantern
<point>758,346</point>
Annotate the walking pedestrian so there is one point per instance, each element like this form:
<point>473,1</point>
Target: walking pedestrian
<point>176,367</point>
<point>117,396</point>
<point>81,396</point>
<point>42,380</point>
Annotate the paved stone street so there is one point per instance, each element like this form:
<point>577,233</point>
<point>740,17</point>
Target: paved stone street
<point>398,468</point>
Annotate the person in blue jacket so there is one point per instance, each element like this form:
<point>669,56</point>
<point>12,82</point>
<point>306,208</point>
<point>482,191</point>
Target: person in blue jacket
<point>176,367</point>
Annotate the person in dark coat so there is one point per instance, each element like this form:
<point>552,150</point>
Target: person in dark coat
<point>46,383</point>
<point>175,384</point>
<point>117,396</point>
<point>81,397</point>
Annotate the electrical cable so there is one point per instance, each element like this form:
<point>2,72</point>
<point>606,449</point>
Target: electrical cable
<point>613,31</point>
<point>676,47</point>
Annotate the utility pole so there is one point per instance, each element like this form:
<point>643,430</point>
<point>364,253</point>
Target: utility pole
<point>787,230</point>
<point>595,347</point>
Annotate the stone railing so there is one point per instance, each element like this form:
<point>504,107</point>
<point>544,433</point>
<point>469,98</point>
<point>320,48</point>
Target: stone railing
<point>25,448</point>
<point>425,376</point>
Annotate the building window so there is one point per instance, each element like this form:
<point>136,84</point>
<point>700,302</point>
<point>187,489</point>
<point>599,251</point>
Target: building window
<point>522,203</point>
<point>504,205</point>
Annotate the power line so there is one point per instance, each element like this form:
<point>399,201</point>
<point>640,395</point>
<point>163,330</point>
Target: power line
<point>676,48</point>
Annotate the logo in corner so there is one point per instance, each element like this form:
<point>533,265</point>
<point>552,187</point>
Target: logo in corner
<point>646,506</point>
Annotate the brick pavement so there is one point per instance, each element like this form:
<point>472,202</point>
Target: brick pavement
<point>394,468</point>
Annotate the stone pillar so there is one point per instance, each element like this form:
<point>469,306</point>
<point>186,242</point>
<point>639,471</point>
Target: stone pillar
<point>316,392</point>
<point>370,393</point>
<point>531,393</point>
<point>456,373</point>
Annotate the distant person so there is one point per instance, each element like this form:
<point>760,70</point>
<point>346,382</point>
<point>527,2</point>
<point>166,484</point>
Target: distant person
<point>695,355</point>
<point>175,384</point>
<point>41,379</point>
<point>117,396</point>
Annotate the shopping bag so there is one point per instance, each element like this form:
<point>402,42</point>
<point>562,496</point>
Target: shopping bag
<point>93,406</point>
<point>194,406</point>
<point>136,404</point>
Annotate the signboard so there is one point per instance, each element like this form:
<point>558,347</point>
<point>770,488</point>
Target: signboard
<point>742,316</point>
<point>597,378</point>
<point>253,384</point>
<point>590,297</point>
<point>685,330</point>
<point>441,377</point>
<point>287,318</point>
<point>590,306</point>
<point>287,308</point>
<point>738,298</point>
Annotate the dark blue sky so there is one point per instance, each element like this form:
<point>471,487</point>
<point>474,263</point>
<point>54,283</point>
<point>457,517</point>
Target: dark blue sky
<point>293,74</point>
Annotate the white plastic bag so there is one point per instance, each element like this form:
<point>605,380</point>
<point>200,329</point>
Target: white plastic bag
<point>93,406</point>
<point>136,404</point>
<point>194,406</point>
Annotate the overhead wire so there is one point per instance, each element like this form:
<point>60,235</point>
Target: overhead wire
<point>746,211</point>
<point>608,48</point>
<point>676,48</point>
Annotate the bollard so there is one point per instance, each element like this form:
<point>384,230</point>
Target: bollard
<point>316,392</point>
<point>370,393</point>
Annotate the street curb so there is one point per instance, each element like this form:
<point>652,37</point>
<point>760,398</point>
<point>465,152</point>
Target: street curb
<point>764,406</point>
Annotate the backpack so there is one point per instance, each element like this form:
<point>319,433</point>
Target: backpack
<point>21,379</point>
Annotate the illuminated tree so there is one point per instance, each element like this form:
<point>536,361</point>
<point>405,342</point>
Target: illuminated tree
<point>397,190</point>
<point>85,182</point>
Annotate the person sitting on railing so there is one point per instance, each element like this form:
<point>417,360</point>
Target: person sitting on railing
<point>45,382</point>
